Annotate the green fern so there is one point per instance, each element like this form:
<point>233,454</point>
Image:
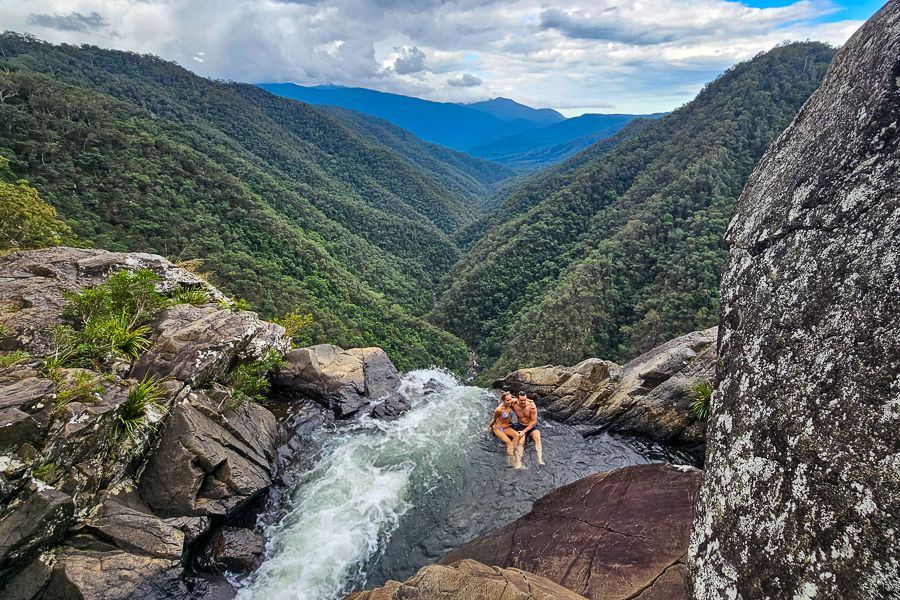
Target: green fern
<point>188,295</point>
<point>143,397</point>
<point>8,359</point>
<point>702,396</point>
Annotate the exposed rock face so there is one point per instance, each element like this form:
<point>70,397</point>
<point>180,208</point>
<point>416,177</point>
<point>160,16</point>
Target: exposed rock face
<point>801,496</point>
<point>619,534</point>
<point>233,549</point>
<point>469,580</point>
<point>209,463</point>
<point>649,396</point>
<point>200,344</point>
<point>32,285</point>
<point>343,380</point>
<point>72,523</point>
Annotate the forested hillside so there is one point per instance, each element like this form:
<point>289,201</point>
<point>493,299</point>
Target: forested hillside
<point>625,250</point>
<point>286,206</point>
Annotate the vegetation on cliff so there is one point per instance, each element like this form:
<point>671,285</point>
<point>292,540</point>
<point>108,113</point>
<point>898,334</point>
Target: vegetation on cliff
<point>288,207</point>
<point>629,251</point>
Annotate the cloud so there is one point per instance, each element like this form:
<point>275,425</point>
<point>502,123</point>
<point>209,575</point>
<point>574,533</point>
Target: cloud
<point>72,22</point>
<point>465,80</point>
<point>640,55</point>
<point>410,60</point>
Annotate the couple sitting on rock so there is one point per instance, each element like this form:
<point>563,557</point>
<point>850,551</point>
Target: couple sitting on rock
<point>514,434</point>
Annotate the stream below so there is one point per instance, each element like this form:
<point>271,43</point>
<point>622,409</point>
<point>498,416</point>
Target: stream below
<point>374,500</point>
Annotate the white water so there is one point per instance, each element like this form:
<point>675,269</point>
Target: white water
<point>345,509</point>
<point>383,498</point>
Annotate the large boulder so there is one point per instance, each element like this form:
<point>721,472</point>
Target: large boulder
<point>33,283</point>
<point>211,461</point>
<point>343,380</point>
<point>469,580</point>
<point>200,344</point>
<point>232,550</point>
<point>38,517</point>
<point>649,396</point>
<point>25,405</point>
<point>801,494</point>
<point>619,534</point>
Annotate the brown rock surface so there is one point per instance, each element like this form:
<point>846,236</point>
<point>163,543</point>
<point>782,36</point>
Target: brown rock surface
<point>613,535</point>
<point>649,396</point>
<point>209,463</point>
<point>199,344</point>
<point>801,494</point>
<point>33,282</point>
<point>469,580</point>
<point>344,380</point>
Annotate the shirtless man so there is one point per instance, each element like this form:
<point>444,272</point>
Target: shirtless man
<point>527,424</point>
<point>502,428</point>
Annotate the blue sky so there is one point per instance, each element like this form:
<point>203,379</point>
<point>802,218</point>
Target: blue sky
<point>577,56</point>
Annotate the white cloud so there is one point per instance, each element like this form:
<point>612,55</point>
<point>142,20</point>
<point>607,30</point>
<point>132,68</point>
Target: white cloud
<point>464,80</point>
<point>638,56</point>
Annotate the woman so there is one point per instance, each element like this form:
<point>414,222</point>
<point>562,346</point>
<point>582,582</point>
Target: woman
<point>502,428</point>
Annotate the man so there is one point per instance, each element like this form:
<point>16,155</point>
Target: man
<point>527,425</point>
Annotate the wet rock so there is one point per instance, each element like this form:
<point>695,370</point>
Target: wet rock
<point>617,534</point>
<point>33,283</point>
<point>801,494</point>
<point>209,462</point>
<point>80,574</point>
<point>343,380</point>
<point>649,396</point>
<point>233,550</point>
<point>469,580</point>
<point>36,519</point>
<point>390,408</point>
<point>200,344</point>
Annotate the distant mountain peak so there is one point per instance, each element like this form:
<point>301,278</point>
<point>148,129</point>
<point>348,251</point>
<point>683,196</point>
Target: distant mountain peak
<point>507,109</point>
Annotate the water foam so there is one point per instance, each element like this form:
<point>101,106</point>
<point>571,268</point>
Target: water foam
<point>346,507</point>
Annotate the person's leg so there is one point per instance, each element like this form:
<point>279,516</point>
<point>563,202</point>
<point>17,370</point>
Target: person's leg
<point>520,447</point>
<point>510,438</point>
<point>518,441</point>
<point>536,437</point>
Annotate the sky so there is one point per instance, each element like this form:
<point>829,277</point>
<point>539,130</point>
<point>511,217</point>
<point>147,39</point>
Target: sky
<point>629,56</point>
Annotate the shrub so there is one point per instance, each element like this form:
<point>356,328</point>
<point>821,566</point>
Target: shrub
<point>8,359</point>
<point>108,320</point>
<point>188,295</point>
<point>81,387</point>
<point>294,323</point>
<point>702,395</point>
<point>142,397</point>
<point>250,380</point>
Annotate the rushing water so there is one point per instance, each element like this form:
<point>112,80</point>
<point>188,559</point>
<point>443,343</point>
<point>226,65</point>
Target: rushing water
<point>382,499</point>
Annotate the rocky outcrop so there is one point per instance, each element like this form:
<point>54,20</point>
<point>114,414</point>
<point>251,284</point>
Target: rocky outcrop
<point>89,508</point>
<point>649,396</point>
<point>209,463</point>
<point>343,380</point>
<point>801,495</point>
<point>618,534</point>
<point>233,550</point>
<point>32,285</point>
<point>469,580</point>
<point>200,344</point>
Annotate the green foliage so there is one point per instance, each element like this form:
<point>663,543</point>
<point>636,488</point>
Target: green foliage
<point>622,248</point>
<point>80,386</point>
<point>108,321</point>
<point>188,295</point>
<point>47,472</point>
<point>250,381</point>
<point>15,357</point>
<point>26,221</point>
<point>5,332</point>
<point>702,395</point>
<point>295,326</point>
<point>288,206</point>
<point>143,397</point>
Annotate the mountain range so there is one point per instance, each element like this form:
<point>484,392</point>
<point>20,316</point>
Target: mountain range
<point>500,129</point>
<point>387,239</point>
